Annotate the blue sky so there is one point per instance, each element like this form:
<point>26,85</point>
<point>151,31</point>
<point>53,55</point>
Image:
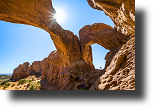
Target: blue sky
<point>21,43</point>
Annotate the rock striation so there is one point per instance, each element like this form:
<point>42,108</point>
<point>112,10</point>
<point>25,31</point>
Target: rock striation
<point>70,67</point>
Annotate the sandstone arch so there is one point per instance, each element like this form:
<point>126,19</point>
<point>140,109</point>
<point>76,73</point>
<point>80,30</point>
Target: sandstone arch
<point>39,13</point>
<point>62,68</point>
<point>101,34</point>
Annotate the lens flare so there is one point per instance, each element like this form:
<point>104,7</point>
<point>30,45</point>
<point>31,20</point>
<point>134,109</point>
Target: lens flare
<point>59,16</point>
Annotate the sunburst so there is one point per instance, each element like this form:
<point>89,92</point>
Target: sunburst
<point>59,16</point>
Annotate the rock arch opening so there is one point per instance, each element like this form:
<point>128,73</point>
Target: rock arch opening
<point>21,43</point>
<point>98,56</point>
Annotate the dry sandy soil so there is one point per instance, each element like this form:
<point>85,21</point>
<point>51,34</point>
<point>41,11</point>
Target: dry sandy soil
<point>29,83</point>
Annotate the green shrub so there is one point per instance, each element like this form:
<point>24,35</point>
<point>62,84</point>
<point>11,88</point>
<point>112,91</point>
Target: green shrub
<point>6,85</point>
<point>12,85</point>
<point>28,84</point>
<point>4,82</point>
<point>22,81</point>
<point>30,81</point>
<point>33,87</point>
<point>38,82</point>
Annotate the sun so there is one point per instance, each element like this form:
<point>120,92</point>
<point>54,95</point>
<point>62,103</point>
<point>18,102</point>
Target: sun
<point>59,16</point>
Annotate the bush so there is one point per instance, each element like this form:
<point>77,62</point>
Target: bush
<point>6,85</point>
<point>28,84</point>
<point>33,87</point>
<point>30,81</point>
<point>22,81</point>
<point>38,82</point>
<point>4,82</point>
<point>12,85</point>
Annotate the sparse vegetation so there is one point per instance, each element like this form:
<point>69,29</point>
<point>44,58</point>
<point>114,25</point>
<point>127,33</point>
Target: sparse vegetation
<point>5,82</point>
<point>22,81</point>
<point>34,87</point>
<point>12,85</point>
<point>6,85</point>
<point>29,83</point>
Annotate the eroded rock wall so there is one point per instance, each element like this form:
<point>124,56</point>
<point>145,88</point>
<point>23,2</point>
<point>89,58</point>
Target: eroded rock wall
<point>120,62</point>
<point>122,12</point>
<point>120,74</point>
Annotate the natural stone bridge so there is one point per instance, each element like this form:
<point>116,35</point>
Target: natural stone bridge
<point>73,58</point>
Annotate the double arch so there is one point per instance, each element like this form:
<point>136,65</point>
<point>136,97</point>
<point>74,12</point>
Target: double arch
<point>69,47</point>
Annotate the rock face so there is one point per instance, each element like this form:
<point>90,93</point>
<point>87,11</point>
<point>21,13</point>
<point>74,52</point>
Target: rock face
<point>101,34</point>
<point>35,68</point>
<point>58,75</point>
<point>120,74</point>
<point>120,62</point>
<point>21,71</point>
<point>24,70</point>
<point>122,12</point>
<point>70,67</point>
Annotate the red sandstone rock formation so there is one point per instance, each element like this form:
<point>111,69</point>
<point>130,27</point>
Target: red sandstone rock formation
<point>70,66</point>
<point>122,12</point>
<point>120,72</point>
<point>24,70</point>
<point>21,71</point>
<point>101,34</point>
<point>35,68</point>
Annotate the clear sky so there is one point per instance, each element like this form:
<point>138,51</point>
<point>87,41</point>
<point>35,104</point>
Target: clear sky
<point>21,43</point>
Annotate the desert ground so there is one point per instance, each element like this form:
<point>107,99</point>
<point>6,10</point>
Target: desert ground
<point>30,83</point>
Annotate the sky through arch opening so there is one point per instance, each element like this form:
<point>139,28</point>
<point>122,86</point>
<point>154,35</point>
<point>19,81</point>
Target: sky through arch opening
<point>98,54</point>
<point>21,43</point>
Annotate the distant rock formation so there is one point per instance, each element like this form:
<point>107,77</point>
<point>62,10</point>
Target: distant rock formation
<point>21,71</point>
<point>70,67</point>
<point>24,70</point>
<point>35,68</point>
